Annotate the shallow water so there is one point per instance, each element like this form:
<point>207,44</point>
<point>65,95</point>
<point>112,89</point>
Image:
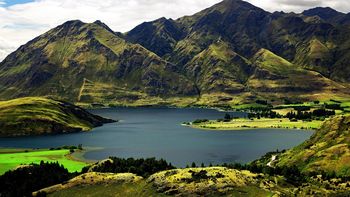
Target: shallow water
<point>157,132</point>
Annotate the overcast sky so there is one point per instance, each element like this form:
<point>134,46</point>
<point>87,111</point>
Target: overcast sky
<point>22,20</point>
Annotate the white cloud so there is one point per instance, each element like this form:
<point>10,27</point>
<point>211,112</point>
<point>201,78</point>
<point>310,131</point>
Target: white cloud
<point>22,22</point>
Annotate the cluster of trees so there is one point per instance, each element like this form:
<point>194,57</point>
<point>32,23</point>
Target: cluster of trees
<point>227,118</point>
<point>334,106</point>
<point>292,102</point>
<point>198,121</point>
<point>24,181</point>
<point>264,114</point>
<point>70,148</point>
<point>300,115</point>
<point>141,167</point>
<point>80,147</point>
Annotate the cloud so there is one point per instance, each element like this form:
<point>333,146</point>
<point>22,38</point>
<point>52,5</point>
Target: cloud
<point>22,22</point>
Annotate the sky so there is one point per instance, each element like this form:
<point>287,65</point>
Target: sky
<point>23,20</point>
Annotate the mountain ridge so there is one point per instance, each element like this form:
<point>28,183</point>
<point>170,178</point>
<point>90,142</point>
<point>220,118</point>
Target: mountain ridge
<point>212,53</point>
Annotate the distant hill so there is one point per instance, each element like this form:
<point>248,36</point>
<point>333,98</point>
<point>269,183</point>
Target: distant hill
<point>230,50</point>
<point>327,150</point>
<point>40,116</point>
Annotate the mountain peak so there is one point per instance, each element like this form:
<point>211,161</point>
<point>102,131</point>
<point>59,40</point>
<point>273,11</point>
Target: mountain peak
<point>324,13</point>
<point>101,24</point>
<point>237,4</point>
<point>73,23</point>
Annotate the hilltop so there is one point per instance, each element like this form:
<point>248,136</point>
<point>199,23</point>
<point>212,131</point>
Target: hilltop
<point>39,116</point>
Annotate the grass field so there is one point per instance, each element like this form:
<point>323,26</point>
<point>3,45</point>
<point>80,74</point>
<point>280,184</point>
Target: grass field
<point>258,123</point>
<point>10,161</point>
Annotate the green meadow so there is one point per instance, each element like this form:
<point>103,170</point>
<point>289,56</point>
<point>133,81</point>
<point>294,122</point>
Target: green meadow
<point>243,123</point>
<point>9,161</point>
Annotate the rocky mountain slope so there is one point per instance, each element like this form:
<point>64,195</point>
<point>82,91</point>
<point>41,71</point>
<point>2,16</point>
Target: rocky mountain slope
<point>40,116</point>
<point>230,50</point>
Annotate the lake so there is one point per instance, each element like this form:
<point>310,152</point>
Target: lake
<point>157,132</point>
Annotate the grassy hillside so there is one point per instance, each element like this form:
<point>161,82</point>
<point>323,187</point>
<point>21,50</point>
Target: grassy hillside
<point>184,182</point>
<point>38,116</point>
<point>219,69</point>
<point>277,77</point>
<point>327,150</point>
<point>209,181</point>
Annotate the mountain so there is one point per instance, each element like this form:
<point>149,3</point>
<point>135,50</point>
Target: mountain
<point>232,51</point>
<point>87,62</point>
<point>249,29</point>
<point>162,35</point>
<point>329,15</point>
<point>327,150</point>
<point>40,116</point>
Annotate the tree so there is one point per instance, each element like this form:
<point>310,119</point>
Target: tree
<point>193,165</point>
<point>227,117</point>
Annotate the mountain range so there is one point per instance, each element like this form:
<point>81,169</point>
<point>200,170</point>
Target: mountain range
<point>232,52</point>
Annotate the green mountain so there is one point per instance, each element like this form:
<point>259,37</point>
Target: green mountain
<point>327,150</point>
<point>232,51</point>
<point>40,116</point>
<point>87,63</point>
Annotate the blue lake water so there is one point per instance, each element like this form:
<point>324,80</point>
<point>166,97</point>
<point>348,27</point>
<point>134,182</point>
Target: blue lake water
<point>157,132</point>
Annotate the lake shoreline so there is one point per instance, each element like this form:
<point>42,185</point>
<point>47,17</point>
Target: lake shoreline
<point>79,155</point>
